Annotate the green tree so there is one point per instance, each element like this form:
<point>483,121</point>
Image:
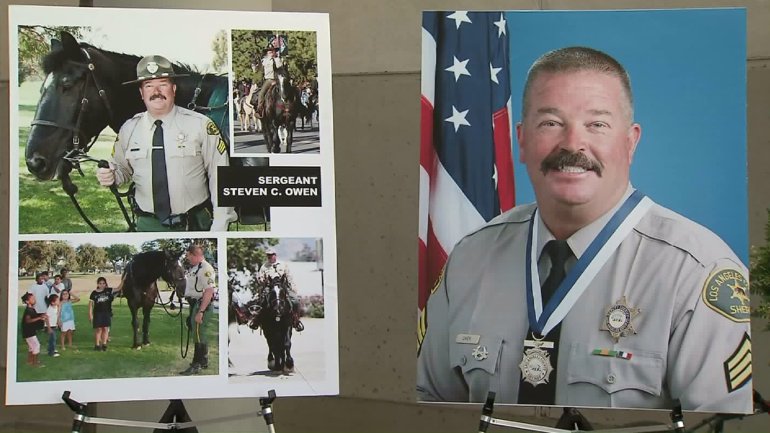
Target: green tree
<point>35,43</point>
<point>120,253</point>
<point>301,60</point>
<point>63,255</point>
<point>760,274</point>
<point>248,253</point>
<point>91,257</point>
<point>35,255</point>
<point>219,47</point>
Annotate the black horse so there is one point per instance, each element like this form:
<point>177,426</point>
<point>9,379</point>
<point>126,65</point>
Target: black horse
<point>273,315</point>
<point>139,285</point>
<point>83,94</point>
<point>280,115</point>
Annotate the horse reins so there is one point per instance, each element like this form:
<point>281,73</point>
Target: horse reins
<point>77,153</point>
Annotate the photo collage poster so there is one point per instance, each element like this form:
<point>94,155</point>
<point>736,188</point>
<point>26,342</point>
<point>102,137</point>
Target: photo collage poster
<point>235,108</point>
<point>639,328</point>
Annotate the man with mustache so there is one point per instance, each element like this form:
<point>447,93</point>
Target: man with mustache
<point>594,295</point>
<point>171,154</point>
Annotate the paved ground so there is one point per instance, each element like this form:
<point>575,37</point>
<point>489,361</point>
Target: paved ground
<point>248,354</point>
<point>305,140</point>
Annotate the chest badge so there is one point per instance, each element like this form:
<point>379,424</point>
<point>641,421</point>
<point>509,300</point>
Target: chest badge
<point>480,353</point>
<point>618,319</point>
<point>181,138</point>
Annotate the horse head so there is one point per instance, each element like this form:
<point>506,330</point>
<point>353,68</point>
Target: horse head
<point>74,105</point>
<point>286,90</point>
<point>276,296</point>
<point>174,274</point>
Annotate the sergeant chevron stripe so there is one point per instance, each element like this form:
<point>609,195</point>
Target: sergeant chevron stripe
<point>738,365</point>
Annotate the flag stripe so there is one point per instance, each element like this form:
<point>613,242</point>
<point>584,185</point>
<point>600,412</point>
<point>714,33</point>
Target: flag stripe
<point>466,168</point>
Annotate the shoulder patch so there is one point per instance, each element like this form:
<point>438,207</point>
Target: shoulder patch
<point>422,328</point>
<point>211,128</point>
<point>727,292</point>
<point>738,365</point>
<point>221,147</point>
<point>438,280</point>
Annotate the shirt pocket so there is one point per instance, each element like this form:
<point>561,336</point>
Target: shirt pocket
<point>483,356</point>
<point>184,145</point>
<point>140,159</point>
<point>645,370</point>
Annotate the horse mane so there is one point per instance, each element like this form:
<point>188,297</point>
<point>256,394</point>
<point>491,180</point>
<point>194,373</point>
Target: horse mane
<point>56,59</point>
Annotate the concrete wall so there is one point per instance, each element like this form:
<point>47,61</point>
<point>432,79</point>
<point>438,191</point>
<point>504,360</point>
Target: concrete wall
<point>376,58</point>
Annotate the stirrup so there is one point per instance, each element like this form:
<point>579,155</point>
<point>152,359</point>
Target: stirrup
<point>299,326</point>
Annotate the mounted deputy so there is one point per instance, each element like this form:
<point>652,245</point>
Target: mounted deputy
<point>270,62</point>
<point>272,268</point>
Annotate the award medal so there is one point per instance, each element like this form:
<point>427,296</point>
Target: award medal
<point>617,320</point>
<point>543,318</point>
<point>536,365</point>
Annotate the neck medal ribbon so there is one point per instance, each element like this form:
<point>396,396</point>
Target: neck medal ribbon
<point>542,319</point>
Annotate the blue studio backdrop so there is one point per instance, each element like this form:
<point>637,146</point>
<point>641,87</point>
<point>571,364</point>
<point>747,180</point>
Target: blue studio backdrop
<point>688,76</point>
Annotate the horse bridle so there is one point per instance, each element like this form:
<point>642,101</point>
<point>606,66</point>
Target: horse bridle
<point>90,76</point>
<point>76,153</point>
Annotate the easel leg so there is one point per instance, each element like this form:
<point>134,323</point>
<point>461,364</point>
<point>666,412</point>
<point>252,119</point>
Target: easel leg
<point>572,419</point>
<point>176,413</point>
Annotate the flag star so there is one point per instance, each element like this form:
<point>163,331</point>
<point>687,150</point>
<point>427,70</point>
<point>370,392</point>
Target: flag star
<point>500,25</point>
<point>494,71</point>
<point>459,68</point>
<point>494,174</point>
<point>459,17</point>
<point>458,118</point>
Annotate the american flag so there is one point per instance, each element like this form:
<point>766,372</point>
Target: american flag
<point>466,170</point>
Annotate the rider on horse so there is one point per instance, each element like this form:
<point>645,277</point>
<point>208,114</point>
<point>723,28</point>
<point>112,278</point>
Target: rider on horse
<point>270,61</point>
<point>273,267</point>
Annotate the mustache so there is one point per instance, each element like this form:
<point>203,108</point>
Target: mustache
<point>157,96</point>
<point>565,158</point>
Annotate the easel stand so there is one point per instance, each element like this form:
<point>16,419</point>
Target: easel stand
<point>572,420</point>
<point>175,418</point>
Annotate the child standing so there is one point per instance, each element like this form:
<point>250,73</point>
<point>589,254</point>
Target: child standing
<point>52,323</point>
<point>67,314</point>
<point>100,313</point>
<point>31,322</point>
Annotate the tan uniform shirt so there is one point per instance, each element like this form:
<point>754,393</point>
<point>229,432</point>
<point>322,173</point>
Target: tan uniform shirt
<point>267,64</point>
<point>194,150</point>
<point>198,279</point>
<point>268,270</point>
<point>692,334</point>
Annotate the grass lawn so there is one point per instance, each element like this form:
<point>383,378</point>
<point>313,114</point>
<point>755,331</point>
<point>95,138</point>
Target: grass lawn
<point>44,207</point>
<point>161,358</point>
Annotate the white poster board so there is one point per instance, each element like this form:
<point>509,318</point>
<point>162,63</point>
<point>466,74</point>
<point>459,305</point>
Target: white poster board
<point>47,233</point>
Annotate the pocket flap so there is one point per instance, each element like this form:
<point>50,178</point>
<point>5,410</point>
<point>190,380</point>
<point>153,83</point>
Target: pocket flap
<point>644,371</point>
<point>483,355</point>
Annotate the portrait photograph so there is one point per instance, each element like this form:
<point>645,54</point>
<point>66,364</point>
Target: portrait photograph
<point>569,251</point>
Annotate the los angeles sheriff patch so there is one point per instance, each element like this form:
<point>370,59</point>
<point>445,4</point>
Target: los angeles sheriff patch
<point>727,292</point>
<point>211,128</point>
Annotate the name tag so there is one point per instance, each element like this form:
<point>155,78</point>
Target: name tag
<point>467,339</point>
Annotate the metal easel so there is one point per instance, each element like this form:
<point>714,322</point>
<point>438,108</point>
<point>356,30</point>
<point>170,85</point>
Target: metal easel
<point>175,418</point>
<point>572,420</point>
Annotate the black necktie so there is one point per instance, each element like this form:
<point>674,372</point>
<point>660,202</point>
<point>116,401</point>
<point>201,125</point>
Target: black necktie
<point>161,200</point>
<point>558,251</point>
